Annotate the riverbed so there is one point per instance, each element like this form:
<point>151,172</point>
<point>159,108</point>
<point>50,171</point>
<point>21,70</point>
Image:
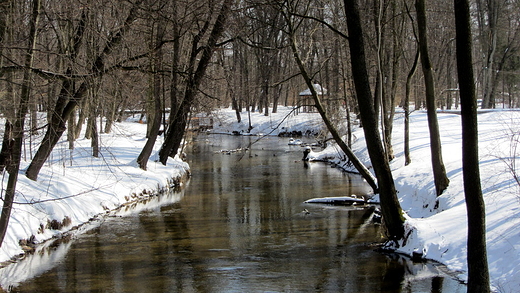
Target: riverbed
<point>239,225</point>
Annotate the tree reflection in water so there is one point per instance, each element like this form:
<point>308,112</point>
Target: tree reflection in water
<point>238,226</point>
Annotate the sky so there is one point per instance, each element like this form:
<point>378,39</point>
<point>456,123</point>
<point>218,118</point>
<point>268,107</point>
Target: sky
<point>77,187</point>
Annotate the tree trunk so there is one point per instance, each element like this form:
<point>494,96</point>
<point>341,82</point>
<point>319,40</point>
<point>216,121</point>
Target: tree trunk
<point>19,123</point>
<point>378,100</point>
<point>83,109</point>
<point>397,22</point>
<point>236,107</point>
<point>92,126</point>
<point>110,115</point>
<point>6,109</point>
<point>156,64</point>
<point>489,38</point>
<point>266,98</point>
<point>390,207</point>
<point>7,146</point>
<point>94,137</point>
<point>478,274</point>
<point>71,137</point>
<point>176,130</point>
<point>365,173</point>
<point>174,86</point>
<point>64,105</point>
<point>439,171</point>
<point>54,131</point>
<point>143,157</point>
<point>178,124</point>
<point>406,108</point>
<point>232,83</point>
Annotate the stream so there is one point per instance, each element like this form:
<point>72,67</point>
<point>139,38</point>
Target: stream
<point>240,224</point>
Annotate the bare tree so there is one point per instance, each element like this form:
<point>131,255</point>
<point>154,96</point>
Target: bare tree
<point>6,108</point>
<point>406,108</point>
<point>154,115</point>
<point>69,98</point>
<point>488,28</point>
<point>19,122</point>
<point>390,206</point>
<point>439,171</point>
<point>478,273</point>
<point>195,74</point>
<point>290,13</point>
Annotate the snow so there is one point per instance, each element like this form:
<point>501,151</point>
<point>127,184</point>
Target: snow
<point>439,232</point>
<point>73,187</point>
<point>319,90</point>
<point>89,187</point>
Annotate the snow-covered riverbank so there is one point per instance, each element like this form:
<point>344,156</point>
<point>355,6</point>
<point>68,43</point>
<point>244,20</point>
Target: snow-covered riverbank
<point>440,233</point>
<point>72,188</point>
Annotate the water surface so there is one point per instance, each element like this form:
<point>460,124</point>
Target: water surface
<point>240,225</point>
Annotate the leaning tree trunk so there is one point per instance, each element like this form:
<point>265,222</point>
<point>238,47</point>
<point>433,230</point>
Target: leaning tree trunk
<point>143,157</point>
<point>64,105</point>
<point>478,273</point>
<point>390,207</point>
<point>439,171</point>
<point>176,131</point>
<point>178,124</point>
<point>365,173</point>
<point>156,63</point>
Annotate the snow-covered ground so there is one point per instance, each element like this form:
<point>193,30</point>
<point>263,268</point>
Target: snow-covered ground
<point>74,187</point>
<point>440,233</point>
<point>88,187</point>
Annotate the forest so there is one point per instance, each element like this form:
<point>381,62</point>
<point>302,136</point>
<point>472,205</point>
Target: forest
<point>85,64</point>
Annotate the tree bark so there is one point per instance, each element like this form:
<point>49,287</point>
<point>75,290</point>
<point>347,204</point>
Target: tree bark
<point>365,173</point>
<point>390,207</point>
<point>439,171</point>
<point>156,62</point>
<point>178,124</point>
<point>94,138</point>
<point>143,157</point>
<point>389,96</point>
<point>7,146</point>
<point>478,273</point>
<point>66,103</point>
<point>71,137</point>
<point>7,109</point>
<point>19,123</point>
<point>406,108</point>
<point>488,25</point>
<point>83,109</point>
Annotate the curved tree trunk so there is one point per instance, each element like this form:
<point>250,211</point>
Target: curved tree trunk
<point>179,119</point>
<point>143,157</point>
<point>365,173</point>
<point>66,103</point>
<point>390,207</point>
<point>439,171</point>
<point>155,89</point>
<point>478,273</point>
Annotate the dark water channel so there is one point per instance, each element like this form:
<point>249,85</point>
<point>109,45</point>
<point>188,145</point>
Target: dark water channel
<point>238,226</point>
